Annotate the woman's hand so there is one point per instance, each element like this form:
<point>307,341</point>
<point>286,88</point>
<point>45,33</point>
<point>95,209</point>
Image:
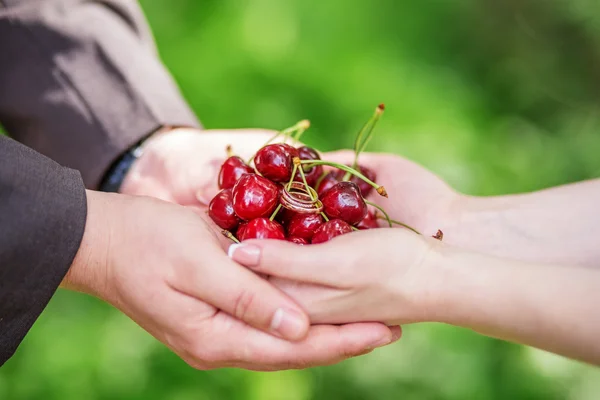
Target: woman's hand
<point>386,275</point>
<point>397,277</point>
<point>416,196</point>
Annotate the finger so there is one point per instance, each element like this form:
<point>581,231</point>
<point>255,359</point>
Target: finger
<point>242,346</point>
<point>319,264</point>
<point>245,296</point>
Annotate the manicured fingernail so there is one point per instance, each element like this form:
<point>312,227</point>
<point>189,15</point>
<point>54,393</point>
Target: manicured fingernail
<point>384,341</point>
<point>288,323</point>
<point>245,254</point>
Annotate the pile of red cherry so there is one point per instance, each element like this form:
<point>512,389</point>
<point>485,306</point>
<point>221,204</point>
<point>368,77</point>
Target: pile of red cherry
<point>288,195</point>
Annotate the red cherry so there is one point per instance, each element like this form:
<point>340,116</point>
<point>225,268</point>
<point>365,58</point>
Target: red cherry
<point>221,211</point>
<point>284,216</point>
<point>241,230</point>
<point>254,197</point>
<point>312,174</point>
<point>304,225</point>
<point>298,240</point>
<point>263,228</point>
<point>369,222</point>
<point>365,188</point>
<point>232,169</point>
<point>343,201</point>
<point>274,161</point>
<point>329,230</point>
<point>327,183</point>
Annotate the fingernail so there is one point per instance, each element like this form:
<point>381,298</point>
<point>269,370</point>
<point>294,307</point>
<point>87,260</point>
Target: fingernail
<point>384,341</point>
<point>396,333</point>
<point>288,323</point>
<point>245,254</point>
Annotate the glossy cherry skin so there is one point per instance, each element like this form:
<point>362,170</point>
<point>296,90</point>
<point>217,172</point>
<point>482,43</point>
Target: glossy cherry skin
<point>343,201</point>
<point>365,188</point>
<point>304,225</point>
<point>232,169</point>
<point>312,174</point>
<point>240,230</point>
<point>254,197</point>
<point>221,210</point>
<point>274,161</point>
<point>263,228</point>
<point>297,240</point>
<point>284,216</point>
<point>326,183</point>
<point>329,230</point>
<point>368,222</point>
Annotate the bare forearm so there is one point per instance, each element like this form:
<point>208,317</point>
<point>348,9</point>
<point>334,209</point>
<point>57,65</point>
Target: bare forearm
<point>550,307</point>
<point>558,225</point>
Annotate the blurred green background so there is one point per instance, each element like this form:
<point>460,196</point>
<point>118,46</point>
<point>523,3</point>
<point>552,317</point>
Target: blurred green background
<point>495,96</point>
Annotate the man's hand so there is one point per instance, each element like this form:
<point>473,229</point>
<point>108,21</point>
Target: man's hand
<point>164,267</point>
<point>182,165</point>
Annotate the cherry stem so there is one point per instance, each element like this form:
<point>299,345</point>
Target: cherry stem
<point>300,126</point>
<point>385,214</point>
<point>324,216</point>
<point>272,217</point>
<point>229,151</point>
<point>364,136</point>
<point>323,175</point>
<point>378,188</point>
<point>289,185</point>
<point>388,219</point>
<point>230,235</point>
<point>296,164</point>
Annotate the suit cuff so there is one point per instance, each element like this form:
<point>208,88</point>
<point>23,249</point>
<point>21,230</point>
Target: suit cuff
<point>43,212</point>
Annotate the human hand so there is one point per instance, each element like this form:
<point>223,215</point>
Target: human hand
<point>416,196</point>
<point>181,165</point>
<point>164,267</point>
<point>387,275</point>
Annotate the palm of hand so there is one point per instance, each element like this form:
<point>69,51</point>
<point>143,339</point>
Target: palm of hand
<point>417,197</point>
<point>182,166</point>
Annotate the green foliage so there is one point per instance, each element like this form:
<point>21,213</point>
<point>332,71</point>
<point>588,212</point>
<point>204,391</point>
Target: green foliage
<point>496,97</point>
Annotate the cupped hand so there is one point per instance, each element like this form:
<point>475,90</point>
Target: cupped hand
<point>163,266</point>
<point>386,275</point>
<point>416,196</point>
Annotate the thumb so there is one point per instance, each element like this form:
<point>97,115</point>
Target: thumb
<point>244,295</point>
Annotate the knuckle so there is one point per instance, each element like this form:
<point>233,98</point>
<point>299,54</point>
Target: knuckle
<point>243,303</point>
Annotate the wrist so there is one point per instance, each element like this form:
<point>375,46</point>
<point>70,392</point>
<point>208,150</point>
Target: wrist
<point>89,271</point>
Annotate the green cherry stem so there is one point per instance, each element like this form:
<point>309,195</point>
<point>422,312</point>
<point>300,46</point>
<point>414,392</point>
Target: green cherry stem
<point>324,216</point>
<point>230,235</point>
<point>385,214</point>
<point>388,219</point>
<point>364,136</point>
<point>378,188</point>
<point>290,132</point>
<point>272,217</point>
<point>296,164</point>
<point>289,185</point>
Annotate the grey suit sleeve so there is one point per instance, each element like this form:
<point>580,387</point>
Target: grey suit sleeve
<point>81,81</point>
<point>43,211</point>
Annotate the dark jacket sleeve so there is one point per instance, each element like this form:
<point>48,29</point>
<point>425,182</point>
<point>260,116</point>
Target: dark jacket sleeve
<point>42,219</point>
<point>81,82</point>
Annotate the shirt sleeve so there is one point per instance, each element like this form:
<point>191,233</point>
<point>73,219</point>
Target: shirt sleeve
<point>82,82</point>
<point>43,210</point>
